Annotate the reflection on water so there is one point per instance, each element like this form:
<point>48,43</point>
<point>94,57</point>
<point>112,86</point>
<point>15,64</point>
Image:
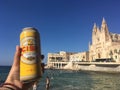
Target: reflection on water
<point>71,80</point>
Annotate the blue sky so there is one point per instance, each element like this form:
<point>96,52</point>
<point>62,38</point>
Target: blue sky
<point>64,25</point>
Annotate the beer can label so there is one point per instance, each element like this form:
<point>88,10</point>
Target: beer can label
<point>28,50</point>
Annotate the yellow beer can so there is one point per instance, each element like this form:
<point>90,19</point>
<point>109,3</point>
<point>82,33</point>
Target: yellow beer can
<point>30,61</point>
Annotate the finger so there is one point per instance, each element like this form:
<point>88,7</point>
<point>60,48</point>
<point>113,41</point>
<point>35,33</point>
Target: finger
<point>17,56</point>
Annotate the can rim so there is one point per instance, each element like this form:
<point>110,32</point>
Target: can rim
<point>29,28</point>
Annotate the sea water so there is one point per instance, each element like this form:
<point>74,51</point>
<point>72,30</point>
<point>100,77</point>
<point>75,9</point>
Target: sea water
<point>4,73</point>
<point>74,80</point>
<point>80,80</point>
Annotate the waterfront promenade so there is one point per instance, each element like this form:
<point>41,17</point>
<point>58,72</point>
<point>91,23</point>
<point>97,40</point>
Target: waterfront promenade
<point>90,66</point>
<point>62,64</point>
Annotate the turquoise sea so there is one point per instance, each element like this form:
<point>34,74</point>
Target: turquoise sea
<point>74,80</point>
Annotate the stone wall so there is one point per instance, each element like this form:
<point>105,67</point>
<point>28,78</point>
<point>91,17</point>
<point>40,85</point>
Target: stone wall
<point>99,68</point>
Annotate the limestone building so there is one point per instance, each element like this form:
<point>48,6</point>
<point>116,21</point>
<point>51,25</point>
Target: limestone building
<point>104,46</point>
<point>61,56</point>
<point>79,57</point>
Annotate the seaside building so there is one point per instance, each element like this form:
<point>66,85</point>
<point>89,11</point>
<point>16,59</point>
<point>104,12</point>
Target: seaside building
<point>105,46</point>
<point>79,57</point>
<point>61,56</point>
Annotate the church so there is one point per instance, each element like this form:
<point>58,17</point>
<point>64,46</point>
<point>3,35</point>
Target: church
<point>104,47</point>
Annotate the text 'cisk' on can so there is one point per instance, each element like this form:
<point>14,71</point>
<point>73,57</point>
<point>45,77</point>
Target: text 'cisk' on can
<point>30,61</point>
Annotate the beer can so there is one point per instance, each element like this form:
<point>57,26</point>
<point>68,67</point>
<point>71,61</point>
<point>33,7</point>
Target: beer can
<point>30,61</point>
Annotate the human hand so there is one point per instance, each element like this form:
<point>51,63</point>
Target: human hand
<point>13,79</point>
<point>14,74</point>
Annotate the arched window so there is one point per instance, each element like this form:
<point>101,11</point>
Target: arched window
<point>115,57</point>
<point>115,50</point>
<point>99,56</point>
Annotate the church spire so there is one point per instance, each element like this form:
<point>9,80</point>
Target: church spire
<point>104,29</point>
<point>103,21</point>
<point>104,25</point>
<point>94,27</point>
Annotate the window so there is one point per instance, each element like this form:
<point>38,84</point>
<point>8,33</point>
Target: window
<point>98,39</point>
<point>119,52</point>
<point>58,58</point>
<point>115,50</point>
<point>111,53</point>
